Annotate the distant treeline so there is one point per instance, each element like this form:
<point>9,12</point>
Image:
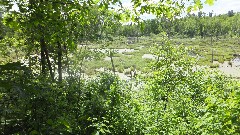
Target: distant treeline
<point>192,25</point>
<point>103,24</point>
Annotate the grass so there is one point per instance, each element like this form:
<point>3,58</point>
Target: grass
<point>223,50</point>
<point>214,65</point>
<point>122,62</point>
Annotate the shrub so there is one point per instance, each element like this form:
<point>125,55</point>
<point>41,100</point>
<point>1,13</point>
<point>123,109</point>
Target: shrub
<point>214,65</point>
<point>175,98</point>
<point>221,60</point>
<point>120,70</point>
<point>176,92</point>
<point>127,72</point>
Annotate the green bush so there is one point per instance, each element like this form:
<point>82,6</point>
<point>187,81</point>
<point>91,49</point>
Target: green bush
<point>220,60</point>
<point>174,98</point>
<point>214,65</point>
<point>120,70</point>
<point>187,101</point>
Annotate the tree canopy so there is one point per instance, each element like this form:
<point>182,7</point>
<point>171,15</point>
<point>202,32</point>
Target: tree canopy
<point>192,25</point>
<point>48,26</point>
<point>174,97</point>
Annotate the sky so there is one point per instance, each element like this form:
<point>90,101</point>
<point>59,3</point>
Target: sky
<point>219,7</point>
<point>222,6</point>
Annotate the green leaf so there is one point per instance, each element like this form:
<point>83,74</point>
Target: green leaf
<point>189,9</point>
<point>49,121</point>
<point>142,26</point>
<point>34,132</point>
<point>65,123</point>
<point>95,132</point>
<point>209,2</point>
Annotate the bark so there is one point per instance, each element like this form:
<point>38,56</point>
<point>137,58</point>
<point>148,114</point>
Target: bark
<point>212,48</point>
<point>48,60</point>
<point>59,62</point>
<point>113,67</point>
<point>43,58</point>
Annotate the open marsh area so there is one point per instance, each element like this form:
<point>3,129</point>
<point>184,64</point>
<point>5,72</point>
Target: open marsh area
<point>137,53</point>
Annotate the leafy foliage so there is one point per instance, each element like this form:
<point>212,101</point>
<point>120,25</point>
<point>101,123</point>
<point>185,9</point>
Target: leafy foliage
<point>175,98</point>
<point>178,98</point>
<point>192,25</point>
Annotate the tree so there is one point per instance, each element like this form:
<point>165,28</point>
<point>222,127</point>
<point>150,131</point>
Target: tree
<point>56,25</point>
<point>2,27</point>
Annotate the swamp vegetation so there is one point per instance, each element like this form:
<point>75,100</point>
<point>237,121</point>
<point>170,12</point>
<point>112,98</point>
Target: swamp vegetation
<point>50,50</point>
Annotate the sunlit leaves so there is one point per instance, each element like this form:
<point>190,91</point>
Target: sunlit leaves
<point>210,2</point>
<point>198,99</point>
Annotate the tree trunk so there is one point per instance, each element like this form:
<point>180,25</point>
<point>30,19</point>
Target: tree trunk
<point>43,58</point>
<point>111,56</point>
<point>48,60</point>
<point>59,62</point>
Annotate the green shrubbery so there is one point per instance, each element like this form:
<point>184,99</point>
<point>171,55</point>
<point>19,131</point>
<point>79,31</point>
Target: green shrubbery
<point>214,65</point>
<point>177,99</point>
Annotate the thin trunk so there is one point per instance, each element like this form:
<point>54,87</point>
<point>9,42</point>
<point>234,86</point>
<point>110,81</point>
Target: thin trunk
<point>59,62</point>
<point>43,58</point>
<point>81,63</point>
<point>48,60</point>
<point>16,51</point>
<point>111,56</point>
<point>212,48</point>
